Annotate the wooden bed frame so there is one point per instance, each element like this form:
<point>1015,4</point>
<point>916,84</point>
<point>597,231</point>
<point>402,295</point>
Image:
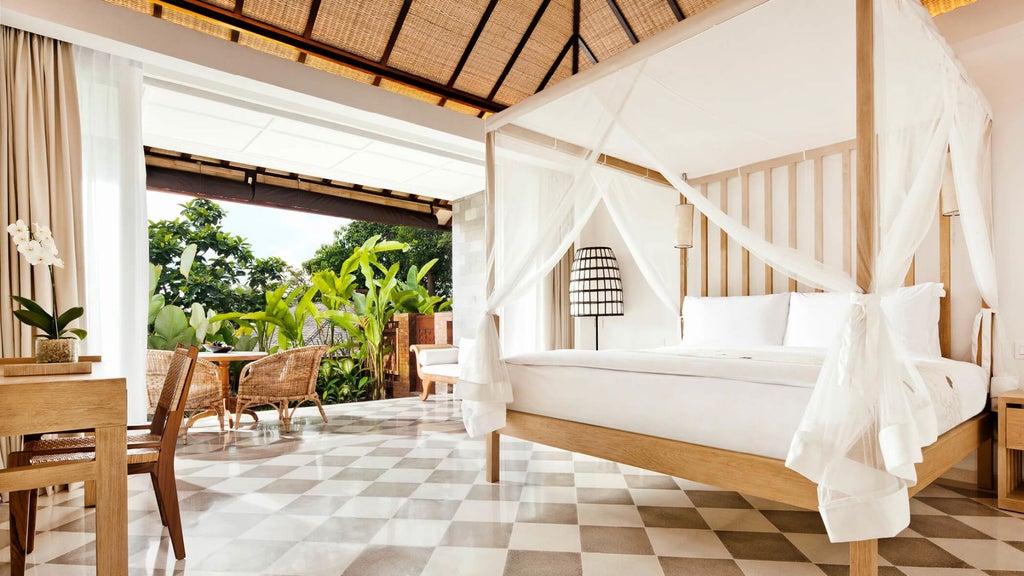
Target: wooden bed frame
<point>748,473</point>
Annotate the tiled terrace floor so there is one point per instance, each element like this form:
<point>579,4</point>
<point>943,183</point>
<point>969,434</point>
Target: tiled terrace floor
<point>396,487</point>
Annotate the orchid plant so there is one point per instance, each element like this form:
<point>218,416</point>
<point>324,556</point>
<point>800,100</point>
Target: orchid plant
<point>39,249</point>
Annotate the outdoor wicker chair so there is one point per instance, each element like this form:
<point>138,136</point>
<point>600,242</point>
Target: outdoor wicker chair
<point>279,379</point>
<point>205,394</point>
<point>150,450</point>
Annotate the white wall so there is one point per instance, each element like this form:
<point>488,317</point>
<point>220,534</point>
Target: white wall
<point>988,37</point>
<point>646,322</point>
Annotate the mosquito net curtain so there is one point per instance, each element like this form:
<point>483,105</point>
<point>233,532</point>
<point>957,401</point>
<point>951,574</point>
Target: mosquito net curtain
<point>683,102</point>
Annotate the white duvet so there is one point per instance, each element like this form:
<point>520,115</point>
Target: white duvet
<point>744,400</point>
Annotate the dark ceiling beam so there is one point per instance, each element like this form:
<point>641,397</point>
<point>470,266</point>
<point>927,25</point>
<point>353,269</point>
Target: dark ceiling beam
<point>158,10</point>
<point>586,50</point>
<point>472,42</point>
<point>395,31</point>
<point>622,20</point>
<point>307,32</point>
<point>519,49</point>
<point>575,36</point>
<point>337,55</point>
<point>676,11</point>
<point>558,61</point>
<point>239,4</point>
<point>235,35</point>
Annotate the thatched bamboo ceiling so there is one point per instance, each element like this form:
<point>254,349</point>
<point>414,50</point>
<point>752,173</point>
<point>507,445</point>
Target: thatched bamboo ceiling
<point>473,56</point>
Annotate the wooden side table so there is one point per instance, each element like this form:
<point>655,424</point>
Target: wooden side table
<point>1011,451</point>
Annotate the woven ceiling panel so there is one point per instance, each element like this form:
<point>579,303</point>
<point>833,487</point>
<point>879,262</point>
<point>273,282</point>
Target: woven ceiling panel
<point>601,30</point>
<point>337,69</point>
<point>648,17</point>
<point>290,15</point>
<point>195,23</point>
<point>358,26</point>
<point>144,6</point>
<point>410,92</point>
<point>495,46</point>
<point>434,35</point>
<point>537,57</point>
<point>691,7</point>
<point>937,7</point>
<point>228,4</point>
<point>268,46</point>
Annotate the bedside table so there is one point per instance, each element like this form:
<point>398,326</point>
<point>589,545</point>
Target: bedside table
<point>1011,451</point>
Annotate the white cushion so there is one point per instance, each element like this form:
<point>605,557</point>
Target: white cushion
<point>441,370</point>
<point>815,318</point>
<point>735,321</point>
<point>466,346</point>
<point>432,356</point>
<point>913,316</point>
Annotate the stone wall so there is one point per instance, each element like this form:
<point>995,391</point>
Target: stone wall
<point>468,261</point>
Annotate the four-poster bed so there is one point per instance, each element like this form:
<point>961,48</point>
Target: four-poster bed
<point>869,437</point>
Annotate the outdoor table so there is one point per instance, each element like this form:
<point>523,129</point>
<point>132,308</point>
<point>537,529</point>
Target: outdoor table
<point>223,360</point>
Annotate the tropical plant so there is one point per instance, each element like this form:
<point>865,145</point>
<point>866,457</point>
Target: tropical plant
<point>342,380</point>
<point>39,249</point>
<point>423,245</point>
<point>284,314</point>
<point>423,302</point>
<point>170,325</point>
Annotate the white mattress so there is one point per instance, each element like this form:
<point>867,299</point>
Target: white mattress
<point>753,403</point>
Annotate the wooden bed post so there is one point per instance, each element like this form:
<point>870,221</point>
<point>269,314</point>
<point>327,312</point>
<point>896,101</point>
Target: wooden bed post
<point>864,554</point>
<point>493,440</point>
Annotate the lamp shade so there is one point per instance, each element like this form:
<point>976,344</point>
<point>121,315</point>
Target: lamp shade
<point>947,194</point>
<point>595,285</point>
<point>684,226</point>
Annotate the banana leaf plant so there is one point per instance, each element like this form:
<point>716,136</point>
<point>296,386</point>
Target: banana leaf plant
<point>285,315</point>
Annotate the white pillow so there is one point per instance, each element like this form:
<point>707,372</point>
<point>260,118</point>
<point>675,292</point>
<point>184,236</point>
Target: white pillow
<point>466,346</point>
<point>913,315</point>
<point>735,321</point>
<point>815,318</point>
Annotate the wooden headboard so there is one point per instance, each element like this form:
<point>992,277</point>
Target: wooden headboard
<point>772,186</point>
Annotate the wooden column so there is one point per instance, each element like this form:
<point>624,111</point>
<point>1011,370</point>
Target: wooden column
<point>489,219</point>
<point>864,554</point>
<point>865,143</point>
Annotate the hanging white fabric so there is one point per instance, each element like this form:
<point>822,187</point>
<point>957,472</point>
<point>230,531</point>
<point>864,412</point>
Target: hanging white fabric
<point>114,198</point>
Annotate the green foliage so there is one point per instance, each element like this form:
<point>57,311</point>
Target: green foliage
<point>284,313</point>
<point>423,302</point>
<point>52,326</point>
<point>424,245</point>
<point>342,380</point>
<point>200,262</point>
<point>169,325</point>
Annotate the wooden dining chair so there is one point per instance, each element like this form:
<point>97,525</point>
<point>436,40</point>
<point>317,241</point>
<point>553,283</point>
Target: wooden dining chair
<point>279,379</point>
<point>150,450</point>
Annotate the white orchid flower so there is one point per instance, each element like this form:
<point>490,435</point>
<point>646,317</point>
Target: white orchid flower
<point>36,254</point>
<point>58,262</point>
<point>41,232</point>
<point>47,243</point>
<point>19,228</point>
<point>21,237</point>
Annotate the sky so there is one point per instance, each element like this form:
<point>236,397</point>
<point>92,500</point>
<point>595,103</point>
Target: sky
<point>290,235</point>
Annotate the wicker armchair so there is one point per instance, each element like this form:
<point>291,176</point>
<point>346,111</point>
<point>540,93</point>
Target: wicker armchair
<point>280,379</point>
<point>204,395</point>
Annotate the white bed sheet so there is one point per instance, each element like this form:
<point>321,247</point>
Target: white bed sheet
<point>753,404</point>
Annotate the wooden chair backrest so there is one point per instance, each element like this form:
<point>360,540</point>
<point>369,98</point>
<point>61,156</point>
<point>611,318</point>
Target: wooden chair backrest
<point>171,408</point>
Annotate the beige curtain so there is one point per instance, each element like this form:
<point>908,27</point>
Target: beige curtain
<point>562,325</point>
<point>40,179</point>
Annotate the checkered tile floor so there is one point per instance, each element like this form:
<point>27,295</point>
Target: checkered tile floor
<point>396,487</point>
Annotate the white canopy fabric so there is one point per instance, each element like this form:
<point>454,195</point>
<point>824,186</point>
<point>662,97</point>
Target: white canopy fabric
<point>744,81</point>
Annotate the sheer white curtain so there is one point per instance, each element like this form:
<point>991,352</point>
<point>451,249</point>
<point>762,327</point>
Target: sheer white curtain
<point>114,191</point>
